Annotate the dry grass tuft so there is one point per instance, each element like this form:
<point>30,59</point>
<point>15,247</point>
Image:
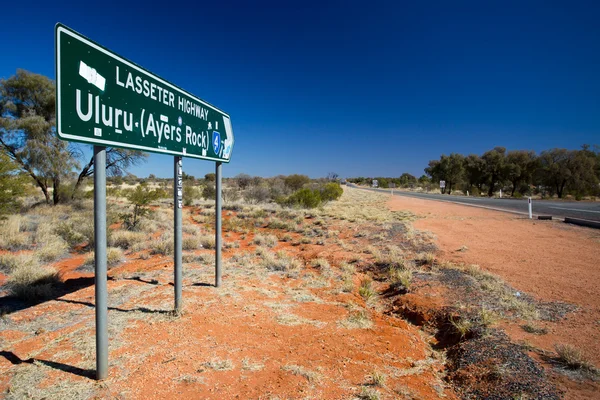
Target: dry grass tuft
<point>377,378</point>
<point>190,243</point>
<point>114,256</point>
<point>322,265</point>
<point>367,393</point>
<point>248,365</point>
<point>126,239</point>
<point>366,290</point>
<point>30,281</point>
<point>265,240</point>
<point>52,249</point>
<point>207,241</point>
<point>358,318</point>
<point>216,364</point>
<point>163,245</point>
<point>574,359</point>
<point>310,376</point>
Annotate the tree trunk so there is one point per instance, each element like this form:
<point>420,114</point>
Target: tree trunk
<point>514,188</point>
<point>560,189</point>
<point>491,190</point>
<point>55,191</point>
<point>44,190</point>
<point>82,175</point>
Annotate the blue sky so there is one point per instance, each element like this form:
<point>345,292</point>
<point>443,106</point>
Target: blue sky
<point>359,88</point>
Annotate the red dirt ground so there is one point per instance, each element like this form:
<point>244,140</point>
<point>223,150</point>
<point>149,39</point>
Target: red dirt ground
<point>154,355</point>
<point>552,261</point>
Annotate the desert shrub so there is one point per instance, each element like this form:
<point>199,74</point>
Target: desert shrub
<point>231,195</point>
<point>11,236</point>
<point>296,182</point>
<point>331,191</point>
<point>265,240</point>
<point>306,198</point>
<point>257,194</point>
<point>11,262</point>
<point>209,191</point>
<point>30,281</point>
<point>52,249</point>
<point>67,231</point>
<point>140,198</point>
<point>163,245</point>
<point>207,241</point>
<point>114,256</point>
<point>190,243</point>
<point>126,239</point>
<point>190,194</point>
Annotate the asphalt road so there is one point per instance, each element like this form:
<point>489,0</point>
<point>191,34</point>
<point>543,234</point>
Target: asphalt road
<point>575,209</point>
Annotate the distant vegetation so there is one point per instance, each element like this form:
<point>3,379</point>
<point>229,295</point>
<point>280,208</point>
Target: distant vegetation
<point>553,172</point>
<point>32,157</point>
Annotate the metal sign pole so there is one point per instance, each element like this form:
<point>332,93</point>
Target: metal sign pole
<point>218,225</point>
<point>177,206</point>
<point>100,262</point>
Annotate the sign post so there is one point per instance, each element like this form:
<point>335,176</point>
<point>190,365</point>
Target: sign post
<point>392,186</point>
<point>443,185</point>
<point>218,221</point>
<point>100,269</point>
<point>104,99</point>
<point>530,206</point>
<point>177,206</point>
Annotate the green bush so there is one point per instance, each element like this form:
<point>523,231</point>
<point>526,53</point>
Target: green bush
<point>331,191</point>
<point>209,191</point>
<point>140,198</point>
<point>190,194</point>
<point>305,198</point>
<point>517,195</point>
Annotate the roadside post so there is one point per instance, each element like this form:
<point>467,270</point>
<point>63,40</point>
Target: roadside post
<point>500,193</point>
<point>530,213</point>
<point>218,221</point>
<point>177,234</point>
<point>442,186</point>
<point>467,193</point>
<point>392,186</point>
<point>105,100</point>
<point>100,271</point>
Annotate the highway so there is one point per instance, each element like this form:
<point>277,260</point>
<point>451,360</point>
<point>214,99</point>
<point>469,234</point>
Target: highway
<point>556,208</point>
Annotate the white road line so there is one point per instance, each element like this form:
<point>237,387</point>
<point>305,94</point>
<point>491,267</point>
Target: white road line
<point>575,209</point>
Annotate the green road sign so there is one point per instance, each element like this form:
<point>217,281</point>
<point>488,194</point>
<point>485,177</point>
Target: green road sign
<point>107,100</point>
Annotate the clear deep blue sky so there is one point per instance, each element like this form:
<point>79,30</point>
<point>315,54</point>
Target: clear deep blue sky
<point>359,88</point>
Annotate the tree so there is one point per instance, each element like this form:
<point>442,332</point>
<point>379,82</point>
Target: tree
<point>296,182</point>
<point>494,167</point>
<point>583,167</point>
<point>474,171</point>
<point>407,179</point>
<point>520,166</point>
<point>333,176</point>
<point>447,168</point>
<point>555,169</point>
<point>243,180</point>
<point>117,161</point>
<point>27,131</point>
<point>140,198</point>
<point>210,177</point>
<point>12,185</point>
